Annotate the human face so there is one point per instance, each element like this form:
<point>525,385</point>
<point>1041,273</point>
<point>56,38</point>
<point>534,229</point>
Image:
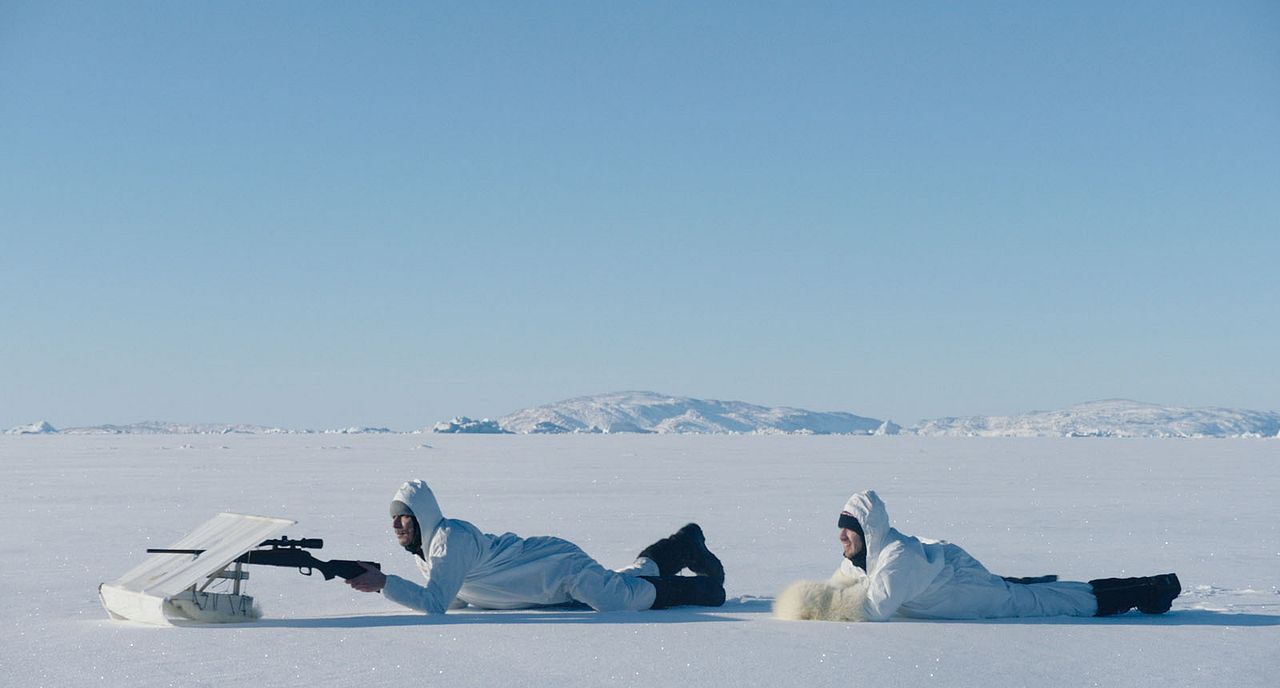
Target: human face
<point>404,526</point>
<point>851,541</point>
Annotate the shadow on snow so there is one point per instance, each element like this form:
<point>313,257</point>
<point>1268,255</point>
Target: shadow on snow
<point>484,617</point>
<point>1178,617</point>
<point>744,605</point>
<point>547,615</point>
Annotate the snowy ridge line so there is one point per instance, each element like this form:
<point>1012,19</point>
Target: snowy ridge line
<point>165,428</point>
<point>653,413</point>
<point>1111,418</point>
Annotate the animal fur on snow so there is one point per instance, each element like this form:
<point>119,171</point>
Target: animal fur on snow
<point>825,601</point>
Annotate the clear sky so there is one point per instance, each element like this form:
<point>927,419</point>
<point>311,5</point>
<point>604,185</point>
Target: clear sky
<point>317,214</point>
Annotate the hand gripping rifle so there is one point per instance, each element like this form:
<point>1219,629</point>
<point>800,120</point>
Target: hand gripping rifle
<point>289,554</point>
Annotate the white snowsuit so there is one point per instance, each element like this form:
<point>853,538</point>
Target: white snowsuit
<point>507,571</point>
<point>932,579</point>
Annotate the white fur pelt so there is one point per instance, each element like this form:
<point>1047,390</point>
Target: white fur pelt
<point>822,601</point>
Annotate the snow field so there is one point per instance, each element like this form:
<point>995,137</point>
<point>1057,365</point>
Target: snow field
<point>80,510</point>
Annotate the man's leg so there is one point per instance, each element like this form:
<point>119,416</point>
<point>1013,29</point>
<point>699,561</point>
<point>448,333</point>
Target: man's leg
<point>1101,597</point>
<point>642,566</point>
<point>606,591</point>
<point>609,591</point>
<point>1055,598</point>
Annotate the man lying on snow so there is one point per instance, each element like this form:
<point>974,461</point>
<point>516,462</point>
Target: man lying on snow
<point>885,573</point>
<point>509,572</point>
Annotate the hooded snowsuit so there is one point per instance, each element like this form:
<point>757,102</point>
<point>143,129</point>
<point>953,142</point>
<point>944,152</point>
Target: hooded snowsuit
<point>507,571</point>
<point>931,579</point>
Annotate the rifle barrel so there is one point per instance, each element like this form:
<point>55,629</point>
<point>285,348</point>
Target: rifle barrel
<point>283,542</point>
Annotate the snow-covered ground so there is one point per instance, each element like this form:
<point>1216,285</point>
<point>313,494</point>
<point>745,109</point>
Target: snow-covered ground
<point>79,510</point>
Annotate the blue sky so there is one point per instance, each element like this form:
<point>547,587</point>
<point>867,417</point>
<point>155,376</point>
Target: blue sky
<point>324,214</point>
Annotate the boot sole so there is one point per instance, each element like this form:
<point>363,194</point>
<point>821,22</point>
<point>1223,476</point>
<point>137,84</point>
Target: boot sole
<point>1168,587</point>
<point>713,569</point>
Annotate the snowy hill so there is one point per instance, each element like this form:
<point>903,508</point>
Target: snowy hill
<point>1111,418</point>
<point>353,430</point>
<point>38,428</point>
<point>154,427</point>
<point>648,412</point>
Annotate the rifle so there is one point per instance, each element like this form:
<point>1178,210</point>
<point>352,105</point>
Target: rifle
<point>290,554</point>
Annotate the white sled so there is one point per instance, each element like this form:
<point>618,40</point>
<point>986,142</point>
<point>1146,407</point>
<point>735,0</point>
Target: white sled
<point>171,587</point>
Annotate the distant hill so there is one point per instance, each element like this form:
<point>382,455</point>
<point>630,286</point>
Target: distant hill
<point>649,412</point>
<point>1111,418</point>
<point>154,427</point>
<point>37,428</point>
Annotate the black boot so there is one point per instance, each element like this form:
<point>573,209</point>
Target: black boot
<point>686,549</point>
<point>1151,595</point>
<point>676,591</point>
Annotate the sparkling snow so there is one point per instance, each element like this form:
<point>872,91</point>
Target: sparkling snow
<point>79,510</point>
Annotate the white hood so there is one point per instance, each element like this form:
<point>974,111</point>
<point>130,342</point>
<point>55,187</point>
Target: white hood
<point>925,579</point>
<point>874,518</point>
<point>418,497</point>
